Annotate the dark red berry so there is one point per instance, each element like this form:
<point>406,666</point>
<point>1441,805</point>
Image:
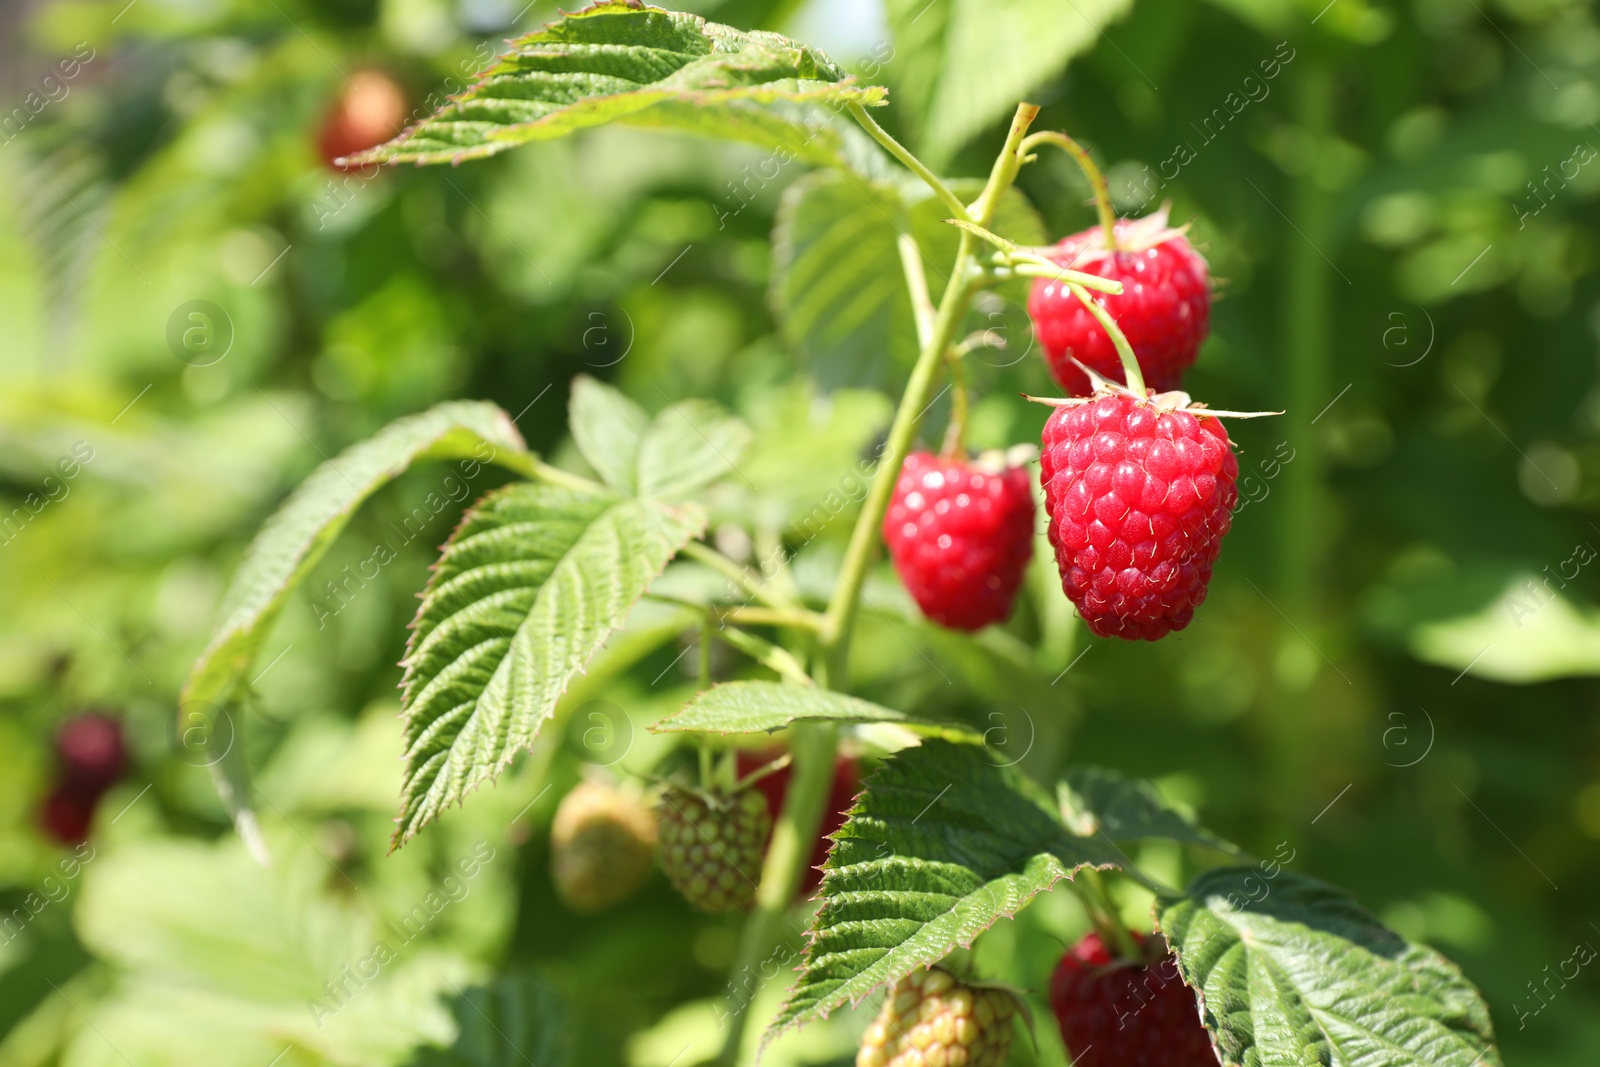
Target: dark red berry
<point>1164,308</point>
<point>1140,496</point>
<point>92,751</point>
<point>841,798</point>
<point>1127,1013</point>
<point>66,814</point>
<point>960,535</point>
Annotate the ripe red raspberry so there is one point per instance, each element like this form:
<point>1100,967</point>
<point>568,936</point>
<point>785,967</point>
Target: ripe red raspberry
<point>1127,1013</point>
<point>711,846</point>
<point>841,798</point>
<point>1140,496</point>
<point>960,535</point>
<point>92,752</point>
<point>1164,308</point>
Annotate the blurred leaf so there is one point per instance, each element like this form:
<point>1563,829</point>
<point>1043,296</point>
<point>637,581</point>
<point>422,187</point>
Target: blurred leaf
<point>688,444</point>
<point>1530,633</point>
<point>528,588</point>
<point>940,846</point>
<point>223,961</point>
<point>612,61</point>
<point>967,63</point>
<point>838,288</point>
<point>514,1021</point>
<point>765,707</point>
<point>1097,800</point>
<point>1295,972</point>
<point>608,429</point>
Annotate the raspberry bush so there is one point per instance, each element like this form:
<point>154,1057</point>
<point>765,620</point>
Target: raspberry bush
<point>948,834</point>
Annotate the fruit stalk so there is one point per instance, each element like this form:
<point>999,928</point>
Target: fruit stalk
<point>915,165</point>
<point>1132,374</point>
<point>1097,180</point>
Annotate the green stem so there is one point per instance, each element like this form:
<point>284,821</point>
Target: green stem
<point>1097,180</point>
<point>955,438</point>
<point>813,746</point>
<point>1025,266</point>
<point>801,618</point>
<point>1131,371</point>
<point>531,466</point>
<point>740,576</point>
<point>775,658</point>
<point>917,285</point>
<point>916,166</point>
<point>1092,890</point>
<point>707,632</point>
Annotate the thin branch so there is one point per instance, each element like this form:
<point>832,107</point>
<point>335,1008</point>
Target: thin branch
<point>903,154</point>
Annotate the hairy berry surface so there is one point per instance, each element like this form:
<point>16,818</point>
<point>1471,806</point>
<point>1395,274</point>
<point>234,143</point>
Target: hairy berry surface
<point>1139,500</point>
<point>1127,1013</point>
<point>1164,310</point>
<point>960,537</point>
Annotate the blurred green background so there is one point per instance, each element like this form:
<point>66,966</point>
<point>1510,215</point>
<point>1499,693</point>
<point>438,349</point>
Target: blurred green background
<point>1394,674</point>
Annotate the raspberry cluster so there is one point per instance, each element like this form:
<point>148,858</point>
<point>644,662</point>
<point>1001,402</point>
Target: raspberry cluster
<point>711,846</point>
<point>1139,497</point>
<point>931,1019</point>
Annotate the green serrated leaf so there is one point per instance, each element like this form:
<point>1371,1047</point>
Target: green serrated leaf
<point>513,1021</point>
<point>837,284</point>
<point>1095,800</point>
<point>940,846</point>
<point>608,429</point>
<point>1293,972</point>
<point>754,707</point>
<point>967,62</point>
<point>291,542</point>
<point>689,444</point>
<point>301,530</point>
<point>527,590</point>
<point>622,61</point>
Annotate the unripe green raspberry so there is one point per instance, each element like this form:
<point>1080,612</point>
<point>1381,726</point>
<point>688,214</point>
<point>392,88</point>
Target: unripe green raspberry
<point>932,1020</point>
<point>601,846</point>
<point>711,846</point>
